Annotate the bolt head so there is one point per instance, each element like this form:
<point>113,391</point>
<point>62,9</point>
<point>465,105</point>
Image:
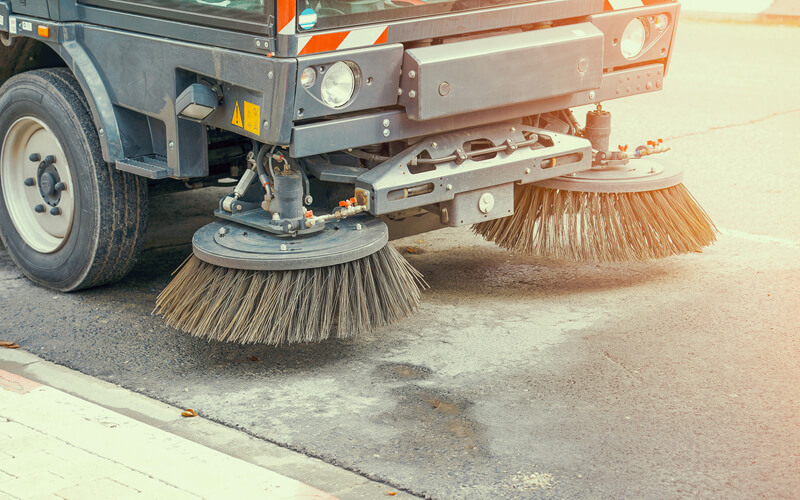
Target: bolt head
<point>527,170</point>
<point>276,216</point>
<point>223,231</point>
<point>399,91</point>
<point>386,132</point>
<point>55,211</point>
<point>449,187</point>
<point>284,247</point>
<point>434,145</point>
<point>412,94</point>
<point>35,157</point>
<point>270,75</point>
<point>308,200</point>
<point>486,203</point>
<point>39,209</point>
<point>358,227</point>
<point>171,145</point>
<point>50,159</point>
<point>412,74</point>
<point>386,122</point>
<point>60,186</point>
<point>30,181</point>
<point>592,94</point>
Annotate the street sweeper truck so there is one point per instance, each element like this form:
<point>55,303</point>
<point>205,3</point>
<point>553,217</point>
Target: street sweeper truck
<point>346,123</point>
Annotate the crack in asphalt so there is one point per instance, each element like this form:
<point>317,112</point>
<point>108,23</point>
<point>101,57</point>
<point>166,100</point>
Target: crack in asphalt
<point>733,125</point>
<point>624,368</point>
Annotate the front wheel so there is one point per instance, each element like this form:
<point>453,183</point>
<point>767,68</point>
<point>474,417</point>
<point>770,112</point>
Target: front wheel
<point>68,219</point>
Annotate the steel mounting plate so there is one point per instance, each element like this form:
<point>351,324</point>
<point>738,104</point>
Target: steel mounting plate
<point>644,174</point>
<point>227,244</point>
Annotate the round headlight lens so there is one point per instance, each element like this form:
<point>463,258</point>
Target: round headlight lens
<point>308,77</point>
<point>661,22</point>
<point>633,38</point>
<point>338,85</point>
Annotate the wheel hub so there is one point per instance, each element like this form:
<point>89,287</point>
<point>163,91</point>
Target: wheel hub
<point>35,176</point>
<point>48,180</point>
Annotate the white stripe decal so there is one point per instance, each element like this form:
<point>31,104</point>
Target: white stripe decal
<point>625,4</point>
<point>361,38</point>
<point>289,28</point>
<point>302,41</point>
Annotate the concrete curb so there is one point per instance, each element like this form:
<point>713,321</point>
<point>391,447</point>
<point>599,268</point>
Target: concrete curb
<point>313,472</point>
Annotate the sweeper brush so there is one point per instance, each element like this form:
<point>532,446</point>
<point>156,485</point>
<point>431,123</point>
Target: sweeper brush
<point>274,273</point>
<point>635,211</point>
<point>287,300</point>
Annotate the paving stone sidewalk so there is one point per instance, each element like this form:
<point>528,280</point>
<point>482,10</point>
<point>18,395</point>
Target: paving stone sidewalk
<point>56,445</point>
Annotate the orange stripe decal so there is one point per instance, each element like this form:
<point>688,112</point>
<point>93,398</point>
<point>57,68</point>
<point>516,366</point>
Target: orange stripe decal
<point>286,15</point>
<point>324,43</point>
<point>384,36</point>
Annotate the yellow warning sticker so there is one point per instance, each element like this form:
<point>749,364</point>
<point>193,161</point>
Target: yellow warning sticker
<point>237,116</point>
<point>252,118</point>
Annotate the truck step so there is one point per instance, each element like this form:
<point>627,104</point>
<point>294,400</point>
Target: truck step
<point>152,167</point>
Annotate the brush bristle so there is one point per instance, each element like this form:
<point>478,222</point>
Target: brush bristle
<point>602,227</point>
<point>278,307</point>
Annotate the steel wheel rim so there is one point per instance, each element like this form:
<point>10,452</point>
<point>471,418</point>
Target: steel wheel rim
<point>41,213</point>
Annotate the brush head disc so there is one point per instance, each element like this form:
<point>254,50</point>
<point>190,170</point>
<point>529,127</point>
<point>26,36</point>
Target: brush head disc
<point>605,215</point>
<point>231,245</point>
<point>645,174</point>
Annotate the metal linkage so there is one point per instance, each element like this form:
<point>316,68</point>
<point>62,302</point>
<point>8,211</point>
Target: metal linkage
<point>519,154</point>
<point>286,193</point>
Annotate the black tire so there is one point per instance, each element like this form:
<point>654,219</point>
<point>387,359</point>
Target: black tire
<point>109,207</point>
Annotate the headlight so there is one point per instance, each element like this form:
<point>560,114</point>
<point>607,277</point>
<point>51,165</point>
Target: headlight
<point>633,39</point>
<point>308,77</point>
<point>661,22</point>
<point>338,85</point>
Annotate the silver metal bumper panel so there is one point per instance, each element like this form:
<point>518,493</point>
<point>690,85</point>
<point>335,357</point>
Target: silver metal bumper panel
<point>454,78</point>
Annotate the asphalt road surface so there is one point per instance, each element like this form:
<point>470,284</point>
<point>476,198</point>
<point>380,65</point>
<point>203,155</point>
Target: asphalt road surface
<point>522,377</point>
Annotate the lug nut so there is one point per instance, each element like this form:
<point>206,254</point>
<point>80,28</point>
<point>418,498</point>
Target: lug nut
<point>55,211</point>
<point>30,182</point>
<point>50,159</point>
<point>34,157</point>
<point>39,208</point>
<point>60,186</point>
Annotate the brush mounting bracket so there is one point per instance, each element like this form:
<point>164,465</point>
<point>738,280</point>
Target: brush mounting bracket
<point>645,174</point>
<point>227,244</point>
